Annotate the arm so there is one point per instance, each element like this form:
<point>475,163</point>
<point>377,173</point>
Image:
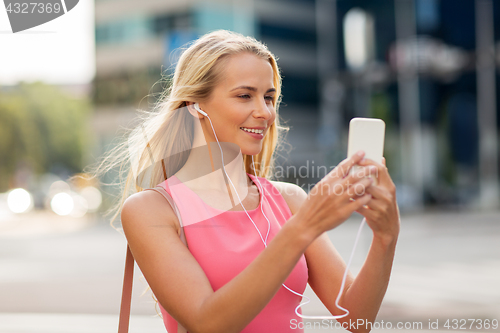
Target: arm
<point>182,287</point>
<point>362,295</point>
<point>382,216</point>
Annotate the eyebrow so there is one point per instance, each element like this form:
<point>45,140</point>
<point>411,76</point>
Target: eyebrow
<point>253,89</point>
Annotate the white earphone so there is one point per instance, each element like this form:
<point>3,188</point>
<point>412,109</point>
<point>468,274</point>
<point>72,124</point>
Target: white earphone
<point>197,108</point>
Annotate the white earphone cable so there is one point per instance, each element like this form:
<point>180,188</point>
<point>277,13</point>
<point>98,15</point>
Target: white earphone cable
<point>264,241</point>
<point>222,157</point>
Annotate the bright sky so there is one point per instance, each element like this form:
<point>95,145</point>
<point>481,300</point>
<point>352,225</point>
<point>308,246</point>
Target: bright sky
<point>61,51</point>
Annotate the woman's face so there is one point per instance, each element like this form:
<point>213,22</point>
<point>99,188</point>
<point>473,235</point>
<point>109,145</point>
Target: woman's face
<point>243,99</point>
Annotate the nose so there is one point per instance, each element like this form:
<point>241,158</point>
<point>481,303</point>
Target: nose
<point>262,110</point>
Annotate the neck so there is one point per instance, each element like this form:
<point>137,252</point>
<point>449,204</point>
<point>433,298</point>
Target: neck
<point>203,168</point>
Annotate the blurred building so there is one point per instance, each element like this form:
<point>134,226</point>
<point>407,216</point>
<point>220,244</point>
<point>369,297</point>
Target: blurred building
<point>432,78</point>
<point>136,43</point>
<point>428,69</point>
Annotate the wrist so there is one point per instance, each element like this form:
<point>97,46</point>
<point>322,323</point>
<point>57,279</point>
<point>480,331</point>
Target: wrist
<point>387,241</point>
<point>303,234</point>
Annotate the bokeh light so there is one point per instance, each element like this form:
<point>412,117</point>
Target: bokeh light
<point>62,203</point>
<point>19,200</point>
<point>80,205</point>
<point>59,186</point>
<point>93,197</point>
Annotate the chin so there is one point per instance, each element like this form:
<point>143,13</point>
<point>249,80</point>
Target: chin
<point>251,151</point>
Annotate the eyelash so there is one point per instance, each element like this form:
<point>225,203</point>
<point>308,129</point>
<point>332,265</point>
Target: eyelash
<point>270,98</point>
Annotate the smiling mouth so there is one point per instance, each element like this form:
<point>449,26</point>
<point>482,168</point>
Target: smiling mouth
<point>255,131</point>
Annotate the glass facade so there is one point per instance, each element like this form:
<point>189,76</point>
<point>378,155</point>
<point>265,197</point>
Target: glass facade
<point>130,29</point>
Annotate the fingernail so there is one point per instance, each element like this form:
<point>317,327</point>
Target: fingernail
<point>360,153</point>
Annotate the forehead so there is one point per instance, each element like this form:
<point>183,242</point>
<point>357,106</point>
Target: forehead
<point>249,70</point>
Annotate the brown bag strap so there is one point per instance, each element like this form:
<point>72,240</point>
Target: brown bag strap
<point>126,293</point>
<point>128,277</point>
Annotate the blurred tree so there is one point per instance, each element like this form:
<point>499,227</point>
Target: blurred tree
<point>42,127</point>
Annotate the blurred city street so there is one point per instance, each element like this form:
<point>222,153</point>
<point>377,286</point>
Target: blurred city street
<point>92,100</point>
<point>59,274</point>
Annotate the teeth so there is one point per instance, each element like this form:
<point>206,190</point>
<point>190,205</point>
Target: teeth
<point>258,131</point>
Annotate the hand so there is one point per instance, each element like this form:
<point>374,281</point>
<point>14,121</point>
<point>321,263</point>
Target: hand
<point>381,211</point>
<point>330,202</point>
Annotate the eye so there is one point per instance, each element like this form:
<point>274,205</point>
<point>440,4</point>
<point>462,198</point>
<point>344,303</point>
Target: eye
<point>246,96</point>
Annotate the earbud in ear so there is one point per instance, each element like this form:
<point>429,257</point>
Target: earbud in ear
<point>197,108</point>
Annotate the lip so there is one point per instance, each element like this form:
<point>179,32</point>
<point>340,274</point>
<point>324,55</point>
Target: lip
<point>254,127</point>
<point>254,135</point>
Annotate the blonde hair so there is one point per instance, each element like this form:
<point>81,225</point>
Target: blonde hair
<point>164,132</point>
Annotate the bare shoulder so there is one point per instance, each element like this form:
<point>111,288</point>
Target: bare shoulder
<point>147,209</point>
<point>293,194</point>
<point>175,277</point>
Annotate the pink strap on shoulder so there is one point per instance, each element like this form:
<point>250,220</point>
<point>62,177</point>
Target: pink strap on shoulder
<point>128,277</point>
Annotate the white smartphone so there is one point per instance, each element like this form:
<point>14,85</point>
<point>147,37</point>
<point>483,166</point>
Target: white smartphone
<point>366,134</point>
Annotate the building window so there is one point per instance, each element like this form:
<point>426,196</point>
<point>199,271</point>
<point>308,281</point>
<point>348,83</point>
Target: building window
<point>172,21</point>
<point>270,30</point>
<point>124,30</point>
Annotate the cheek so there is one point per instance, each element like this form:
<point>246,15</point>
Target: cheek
<point>273,115</point>
<point>234,121</point>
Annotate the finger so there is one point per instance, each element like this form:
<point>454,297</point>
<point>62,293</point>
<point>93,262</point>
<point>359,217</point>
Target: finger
<point>357,204</point>
<point>378,192</point>
<point>359,189</point>
<point>367,212</point>
<point>382,171</point>
<point>361,173</point>
<point>375,205</point>
<point>343,168</point>
<point>383,161</point>
<point>368,161</point>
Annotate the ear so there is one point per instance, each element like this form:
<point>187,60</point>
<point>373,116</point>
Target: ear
<point>192,110</point>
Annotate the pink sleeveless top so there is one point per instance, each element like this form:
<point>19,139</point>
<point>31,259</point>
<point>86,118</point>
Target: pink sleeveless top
<point>225,242</point>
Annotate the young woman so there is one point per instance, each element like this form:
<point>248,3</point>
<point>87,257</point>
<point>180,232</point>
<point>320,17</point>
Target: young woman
<point>252,243</point>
